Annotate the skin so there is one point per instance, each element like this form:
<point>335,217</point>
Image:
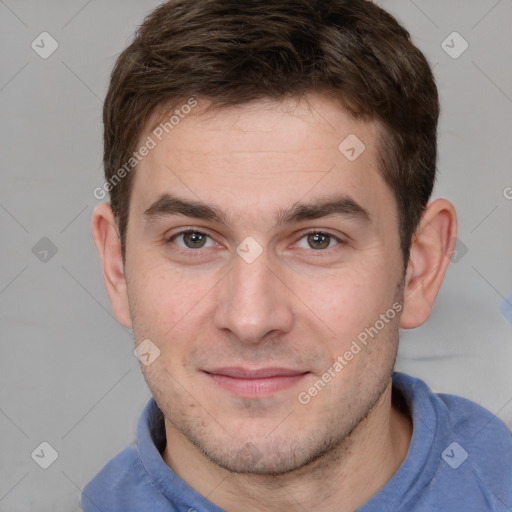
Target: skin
<point>295,306</point>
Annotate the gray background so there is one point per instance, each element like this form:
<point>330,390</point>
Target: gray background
<point>68,375</point>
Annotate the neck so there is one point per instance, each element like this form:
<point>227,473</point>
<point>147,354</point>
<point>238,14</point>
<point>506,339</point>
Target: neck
<point>340,481</point>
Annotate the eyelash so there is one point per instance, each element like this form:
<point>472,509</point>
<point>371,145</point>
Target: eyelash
<point>199,252</point>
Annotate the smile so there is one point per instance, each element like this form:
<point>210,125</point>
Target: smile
<point>259,383</point>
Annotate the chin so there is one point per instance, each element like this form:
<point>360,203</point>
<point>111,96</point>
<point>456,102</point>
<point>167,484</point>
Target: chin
<point>266,457</point>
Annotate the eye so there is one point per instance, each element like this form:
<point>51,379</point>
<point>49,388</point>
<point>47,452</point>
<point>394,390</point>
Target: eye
<point>191,239</point>
<point>318,240</point>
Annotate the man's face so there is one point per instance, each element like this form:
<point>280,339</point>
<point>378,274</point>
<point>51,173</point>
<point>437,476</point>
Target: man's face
<point>249,310</point>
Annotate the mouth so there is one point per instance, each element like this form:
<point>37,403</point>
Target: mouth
<point>255,383</point>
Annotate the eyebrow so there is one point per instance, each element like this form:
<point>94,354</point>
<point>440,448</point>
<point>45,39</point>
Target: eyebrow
<point>341,205</point>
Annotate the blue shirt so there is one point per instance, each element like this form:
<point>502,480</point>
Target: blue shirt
<point>459,459</point>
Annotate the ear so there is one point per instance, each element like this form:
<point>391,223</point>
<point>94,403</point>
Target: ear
<point>431,249</point>
<point>108,244</point>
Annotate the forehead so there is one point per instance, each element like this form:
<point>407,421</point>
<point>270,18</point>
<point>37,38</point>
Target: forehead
<point>261,156</point>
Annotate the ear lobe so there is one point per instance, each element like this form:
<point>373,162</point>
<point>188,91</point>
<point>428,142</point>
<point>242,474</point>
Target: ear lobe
<point>108,244</point>
<point>431,248</point>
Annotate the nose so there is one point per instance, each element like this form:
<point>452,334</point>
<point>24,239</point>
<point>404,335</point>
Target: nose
<point>254,301</point>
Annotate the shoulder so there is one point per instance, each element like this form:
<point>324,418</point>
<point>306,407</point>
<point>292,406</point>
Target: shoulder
<point>138,476</point>
<point>482,438</point>
<point>122,485</point>
<point>121,472</point>
<point>478,455</point>
<point>471,448</point>
<point>453,413</point>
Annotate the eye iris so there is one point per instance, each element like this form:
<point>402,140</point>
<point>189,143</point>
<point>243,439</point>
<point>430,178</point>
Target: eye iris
<point>318,240</point>
<point>194,240</point>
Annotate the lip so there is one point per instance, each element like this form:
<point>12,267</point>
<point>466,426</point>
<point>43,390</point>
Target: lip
<point>255,383</point>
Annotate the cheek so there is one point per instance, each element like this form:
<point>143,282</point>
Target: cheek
<point>347,302</point>
<point>164,300</point>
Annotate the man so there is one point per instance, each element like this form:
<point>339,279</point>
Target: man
<point>270,167</point>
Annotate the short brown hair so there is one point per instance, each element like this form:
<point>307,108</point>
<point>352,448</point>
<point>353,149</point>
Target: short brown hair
<point>237,51</point>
